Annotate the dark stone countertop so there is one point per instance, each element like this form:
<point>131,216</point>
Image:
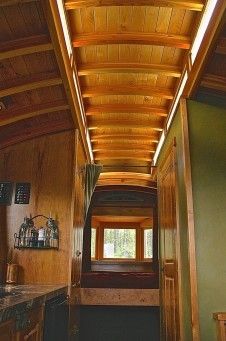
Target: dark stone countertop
<point>26,297</point>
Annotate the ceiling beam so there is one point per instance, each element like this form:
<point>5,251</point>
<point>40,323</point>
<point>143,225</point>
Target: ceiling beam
<point>103,68</point>
<point>125,152</point>
<point>30,83</point>
<point>101,157</point>
<point>4,3</point>
<point>130,182</point>
<point>147,125</point>
<point>214,82</point>
<point>142,90</point>
<point>149,145</point>
<point>189,4</point>
<point>160,39</point>
<point>129,137</point>
<point>126,108</point>
<point>23,46</point>
<point>125,175</point>
<point>122,146</point>
<point>10,116</point>
<point>31,131</point>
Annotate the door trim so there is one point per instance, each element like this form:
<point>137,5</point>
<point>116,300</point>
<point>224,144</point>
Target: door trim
<point>172,150</point>
<point>190,219</point>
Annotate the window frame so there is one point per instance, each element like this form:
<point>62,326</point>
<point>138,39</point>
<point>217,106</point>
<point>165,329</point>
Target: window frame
<point>139,257</point>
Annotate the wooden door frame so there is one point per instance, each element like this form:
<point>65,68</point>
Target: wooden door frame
<point>190,221</point>
<point>172,149</point>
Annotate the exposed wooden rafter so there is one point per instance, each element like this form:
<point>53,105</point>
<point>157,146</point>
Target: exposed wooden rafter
<point>147,125</point>
<point>123,146</point>
<point>103,68</point>
<point>101,157</point>
<point>30,83</point>
<point>122,142</point>
<point>23,46</point>
<point>189,4</point>
<point>10,116</point>
<point>160,39</point>
<point>122,151</point>
<point>214,82</point>
<point>125,108</point>
<point>4,3</point>
<point>126,137</point>
<point>143,90</point>
<point>31,131</point>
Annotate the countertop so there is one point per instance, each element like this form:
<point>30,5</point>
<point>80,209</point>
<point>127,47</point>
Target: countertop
<point>26,297</point>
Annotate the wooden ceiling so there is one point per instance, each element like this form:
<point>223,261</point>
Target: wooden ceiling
<point>32,97</point>
<point>128,58</point>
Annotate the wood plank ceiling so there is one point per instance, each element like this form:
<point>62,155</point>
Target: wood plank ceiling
<point>130,55</point>
<point>32,96</point>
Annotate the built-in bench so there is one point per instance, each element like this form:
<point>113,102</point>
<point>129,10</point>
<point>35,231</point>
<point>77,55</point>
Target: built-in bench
<point>119,297</point>
<point>128,280</point>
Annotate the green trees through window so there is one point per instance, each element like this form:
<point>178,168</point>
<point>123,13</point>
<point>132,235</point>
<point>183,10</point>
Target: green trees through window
<point>119,243</point>
<point>122,243</point>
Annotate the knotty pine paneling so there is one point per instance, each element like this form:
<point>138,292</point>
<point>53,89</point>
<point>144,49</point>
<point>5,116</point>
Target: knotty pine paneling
<point>48,164</point>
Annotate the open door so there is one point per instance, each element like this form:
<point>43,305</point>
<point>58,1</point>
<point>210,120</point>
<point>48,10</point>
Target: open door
<point>169,248</point>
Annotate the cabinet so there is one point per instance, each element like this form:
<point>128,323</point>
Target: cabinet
<point>30,327</point>
<point>33,329</point>
<point>7,330</point>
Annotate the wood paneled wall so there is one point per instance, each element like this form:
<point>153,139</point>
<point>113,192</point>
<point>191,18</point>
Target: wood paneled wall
<point>79,214</point>
<point>48,164</point>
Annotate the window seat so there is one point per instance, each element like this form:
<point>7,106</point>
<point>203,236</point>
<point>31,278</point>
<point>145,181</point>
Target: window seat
<point>110,279</point>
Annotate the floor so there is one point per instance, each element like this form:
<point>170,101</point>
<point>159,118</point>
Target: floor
<point>107,323</point>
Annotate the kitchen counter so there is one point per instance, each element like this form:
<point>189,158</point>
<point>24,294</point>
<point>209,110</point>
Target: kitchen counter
<point>26,297</point>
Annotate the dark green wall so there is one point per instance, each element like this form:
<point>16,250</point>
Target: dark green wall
<point>176,132</point>
<point>207,130</point>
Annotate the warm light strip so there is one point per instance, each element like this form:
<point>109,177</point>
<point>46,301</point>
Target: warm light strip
<point>79,95</point>
<point>65,28</point>
<point>89,144</point>
<point>207,15</point>
<point>208,12</point>
<point>69,47</point>
<point>159,147</point>
<point>176,101</point>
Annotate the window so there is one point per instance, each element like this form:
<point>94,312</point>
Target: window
<point>148,237</point>
<point>119,243</point>
<point>93,243</point>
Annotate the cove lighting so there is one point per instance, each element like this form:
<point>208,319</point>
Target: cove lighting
<point>69,47</point>
<point>208,12</point>
<point>89,145</point>
<point>207,15</point>
<point>176,101</point>
<point>159,147</point>
<point>63,20</point>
